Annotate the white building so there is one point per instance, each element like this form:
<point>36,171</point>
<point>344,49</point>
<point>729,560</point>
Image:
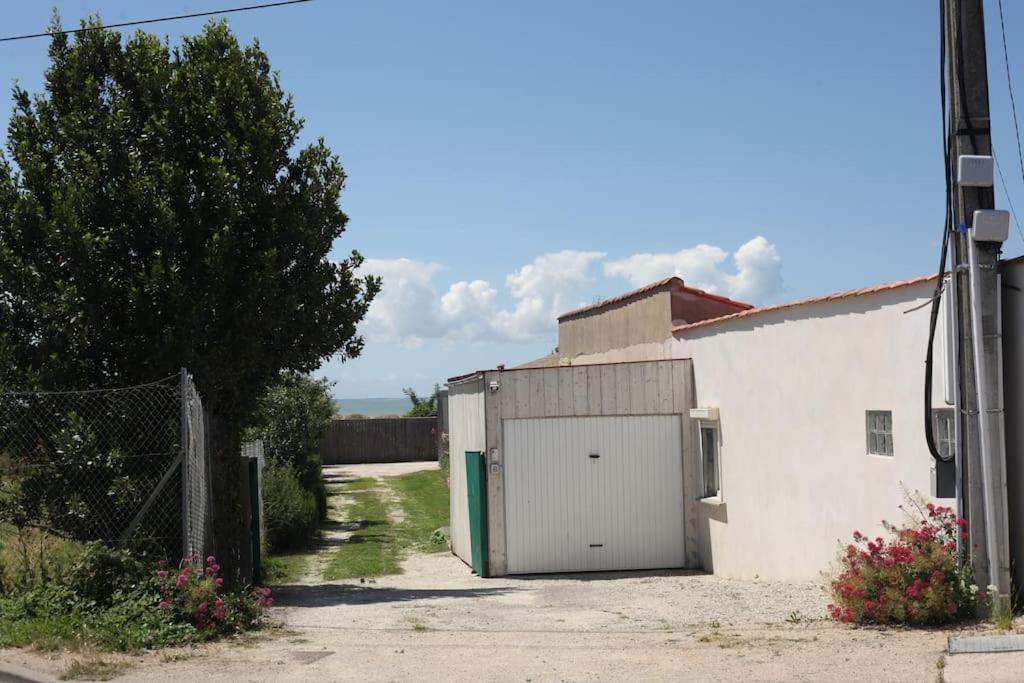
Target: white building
<point>795,425</point>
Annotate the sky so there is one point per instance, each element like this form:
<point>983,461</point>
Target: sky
<point>511,161</point>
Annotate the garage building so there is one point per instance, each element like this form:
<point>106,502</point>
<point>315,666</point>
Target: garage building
<point>583,467</point>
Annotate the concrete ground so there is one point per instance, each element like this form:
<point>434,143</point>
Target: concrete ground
<point>439,621</point>
<point>340,473</point>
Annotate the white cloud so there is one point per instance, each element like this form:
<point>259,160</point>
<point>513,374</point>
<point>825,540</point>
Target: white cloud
<point>409,310</point>
<point>758,275</point>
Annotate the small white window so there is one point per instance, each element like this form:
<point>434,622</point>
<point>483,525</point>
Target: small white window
<point>944,431</point>
<point>710,466</point>
<point>879,432</point>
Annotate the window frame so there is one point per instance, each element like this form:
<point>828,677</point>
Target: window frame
<point>939,415</point>
<point>876,436</point>
<point>716,442</point>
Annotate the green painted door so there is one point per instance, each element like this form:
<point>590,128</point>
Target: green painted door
<point>476,489</point>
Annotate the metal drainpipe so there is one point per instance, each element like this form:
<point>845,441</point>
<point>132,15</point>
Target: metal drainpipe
<point>984,416</point>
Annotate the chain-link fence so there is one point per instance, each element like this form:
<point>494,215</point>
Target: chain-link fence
<point>124,466</point>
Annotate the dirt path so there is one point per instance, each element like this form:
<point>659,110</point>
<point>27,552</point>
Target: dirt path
<point>336,531</point>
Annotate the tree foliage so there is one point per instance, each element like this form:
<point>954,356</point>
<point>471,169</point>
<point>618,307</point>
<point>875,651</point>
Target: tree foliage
<point>422,407</point>
<point>157,218</point>
<point>156,212</point>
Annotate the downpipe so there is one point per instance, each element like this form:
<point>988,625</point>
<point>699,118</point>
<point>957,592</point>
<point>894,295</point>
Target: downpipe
<point>989,417</point>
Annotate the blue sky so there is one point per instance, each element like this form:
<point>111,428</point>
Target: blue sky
<point>508,161</point>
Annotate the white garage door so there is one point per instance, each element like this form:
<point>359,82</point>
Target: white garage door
<point>593,493</point>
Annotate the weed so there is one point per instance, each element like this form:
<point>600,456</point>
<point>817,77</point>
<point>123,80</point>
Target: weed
<point>1002,613</point>
<point>93,670</point>
<point>795,618</point>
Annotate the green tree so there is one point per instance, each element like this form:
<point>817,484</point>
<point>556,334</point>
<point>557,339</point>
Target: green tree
<point>158,214</point>
<point>422,407</point>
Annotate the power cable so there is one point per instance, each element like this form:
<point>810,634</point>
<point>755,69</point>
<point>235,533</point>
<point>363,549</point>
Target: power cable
<point>1009,87</point>
<point>86,29</point>
<point>929,427</point>
<point>1006,191</point>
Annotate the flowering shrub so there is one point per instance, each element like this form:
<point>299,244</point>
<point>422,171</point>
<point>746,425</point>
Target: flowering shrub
<point>911,578</point>
<point>194,594</point>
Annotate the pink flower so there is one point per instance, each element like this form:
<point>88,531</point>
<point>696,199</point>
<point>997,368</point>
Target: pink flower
<point>209,570</point>
<point>164,604</point>
<point>211,560</point>
<point>182,580</point>
<point>216,567</point>
<point>162,574</point>
<point>201,607</point>
<point>161,563</point>
<point>219,582</point>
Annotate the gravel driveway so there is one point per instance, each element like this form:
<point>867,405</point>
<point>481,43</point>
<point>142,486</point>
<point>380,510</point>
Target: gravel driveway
<point>438,621</point>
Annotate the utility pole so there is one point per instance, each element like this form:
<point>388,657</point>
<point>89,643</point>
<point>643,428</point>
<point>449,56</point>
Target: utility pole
<point>975,278</point>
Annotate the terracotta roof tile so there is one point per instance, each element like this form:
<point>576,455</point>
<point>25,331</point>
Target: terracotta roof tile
<point>666,283</point>
<point>849,294</point>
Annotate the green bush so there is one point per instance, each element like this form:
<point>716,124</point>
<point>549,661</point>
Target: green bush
<point>289,509</point>
<point>291,418</point>
<point>100,572</point>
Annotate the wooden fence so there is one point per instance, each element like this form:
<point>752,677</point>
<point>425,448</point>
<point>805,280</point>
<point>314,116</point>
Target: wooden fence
<point>385,439</point>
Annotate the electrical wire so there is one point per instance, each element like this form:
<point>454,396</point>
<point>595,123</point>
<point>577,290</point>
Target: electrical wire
<point>1009,87</point>
<point>86,29</point>
<point>1006,191</point>
<point>929,427</point>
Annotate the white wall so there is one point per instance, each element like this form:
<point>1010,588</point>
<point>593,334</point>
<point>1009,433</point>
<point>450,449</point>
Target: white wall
<point>466,425</point>
<point>792,387</point>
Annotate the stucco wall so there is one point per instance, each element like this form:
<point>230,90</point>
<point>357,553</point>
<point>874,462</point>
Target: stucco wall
<point>792,388</point>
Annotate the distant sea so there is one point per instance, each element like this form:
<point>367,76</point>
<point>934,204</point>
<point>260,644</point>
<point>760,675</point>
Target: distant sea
<point>372,407</point>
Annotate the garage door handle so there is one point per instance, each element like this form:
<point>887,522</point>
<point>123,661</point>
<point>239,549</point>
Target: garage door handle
<point>594,455</point>
<point>597,545</point>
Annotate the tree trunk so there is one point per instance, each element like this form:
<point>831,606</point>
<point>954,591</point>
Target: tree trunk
<point>229,502</point>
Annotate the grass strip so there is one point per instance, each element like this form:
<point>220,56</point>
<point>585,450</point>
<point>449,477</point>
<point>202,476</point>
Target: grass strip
<point>371,550</point>
<point>424,498</point>
<point>283,569</point>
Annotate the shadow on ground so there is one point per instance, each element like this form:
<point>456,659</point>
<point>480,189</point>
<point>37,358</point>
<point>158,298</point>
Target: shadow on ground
<point>329,595</point>
<point>606,576</point>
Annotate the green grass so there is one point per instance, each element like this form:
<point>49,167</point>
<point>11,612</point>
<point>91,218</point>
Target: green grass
<point>282,569</point>
<point>371,550</point>
<point>424,497</point>
<point>361,484</point>
<point>378,547</point>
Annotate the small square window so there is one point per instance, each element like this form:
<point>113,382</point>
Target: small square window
<point>944,431</point>
<point>710,468</point>
<point>879,432</point>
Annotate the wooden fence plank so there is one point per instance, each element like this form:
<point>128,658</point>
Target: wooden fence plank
<point>404,439</point>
